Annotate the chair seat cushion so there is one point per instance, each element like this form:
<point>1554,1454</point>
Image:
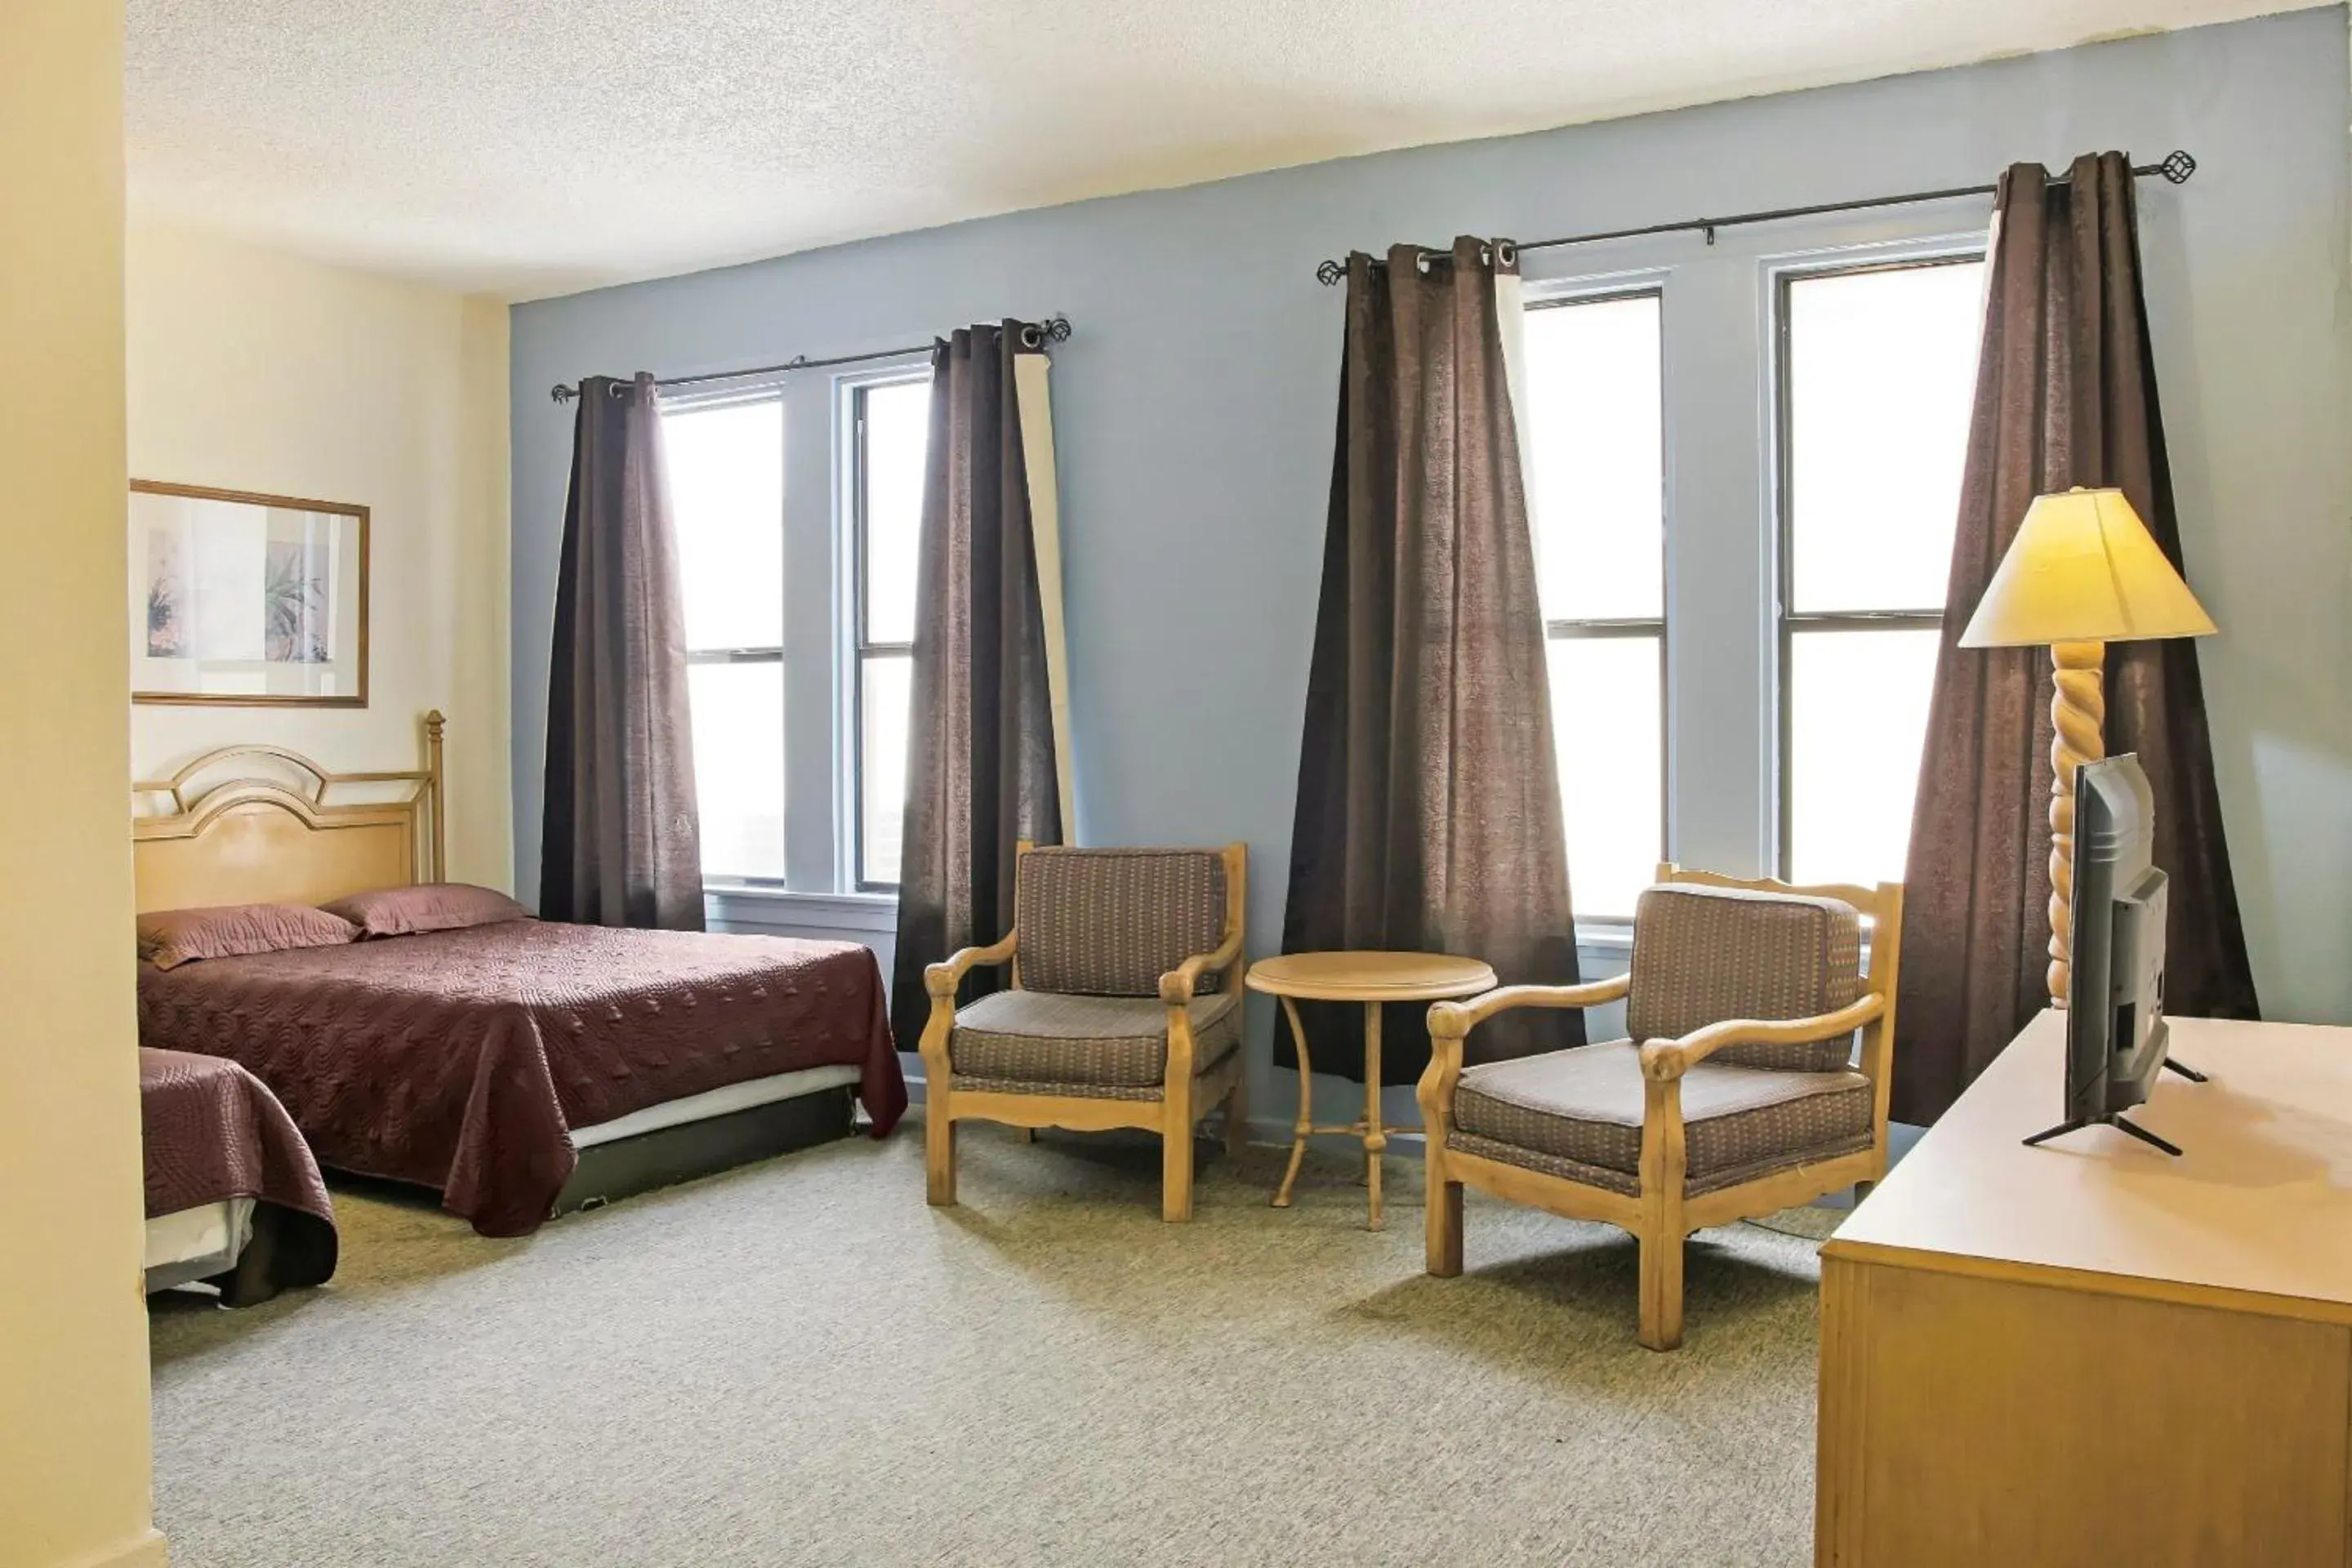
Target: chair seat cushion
<point>1578,1113</point>
<point>1115,1042</point>
<point>1209,1086</point>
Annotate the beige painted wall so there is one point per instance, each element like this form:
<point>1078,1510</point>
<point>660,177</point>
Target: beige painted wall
<point>73,1333</point>
<point>254,369</point>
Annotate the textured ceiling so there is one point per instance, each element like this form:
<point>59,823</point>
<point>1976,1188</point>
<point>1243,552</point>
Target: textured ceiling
<point>536,146</point>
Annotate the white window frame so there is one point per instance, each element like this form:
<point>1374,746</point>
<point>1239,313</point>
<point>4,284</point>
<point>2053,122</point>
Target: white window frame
<point>850,647</point>
<point>1592,289</point>
<point>821,887</point>
<point>1721,386</point>
<point>735,395</point>
<point>1778,516</point>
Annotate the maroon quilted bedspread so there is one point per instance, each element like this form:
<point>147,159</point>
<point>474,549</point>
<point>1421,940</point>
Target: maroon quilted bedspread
<point>212,1132</point>
<point>462,1060</point>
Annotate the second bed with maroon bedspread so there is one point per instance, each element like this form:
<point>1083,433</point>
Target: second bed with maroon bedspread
<point>461,1059</point>
<point>212,1132</point>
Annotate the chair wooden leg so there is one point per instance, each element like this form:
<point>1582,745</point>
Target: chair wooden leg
<point>1025,1134</point>
<point>938,1155</point>
<point>1237,1116</point>
<point>1662,1291</point>
<point>1443,1223</point>
<point>1176,1172</point>
<point>1861,1191</point>
<point>1665,1163</point>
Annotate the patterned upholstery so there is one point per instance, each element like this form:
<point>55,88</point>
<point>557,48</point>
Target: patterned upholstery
<point>1578,1113</point>
<point>1704,954</point>
<point>1110,923</point>
<point>1209,1086</point>
<point>1037,1039</point>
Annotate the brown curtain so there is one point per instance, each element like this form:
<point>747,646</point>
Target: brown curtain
<point>1429,813</point>
<point>2066,395</point>
<point>619,843</point>
<point>980,772</point>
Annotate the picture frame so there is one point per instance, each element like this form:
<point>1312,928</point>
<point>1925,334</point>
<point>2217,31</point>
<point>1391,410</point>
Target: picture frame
<point>245,599</point>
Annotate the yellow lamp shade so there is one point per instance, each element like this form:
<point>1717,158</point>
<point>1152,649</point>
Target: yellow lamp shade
<point>2083,568</point>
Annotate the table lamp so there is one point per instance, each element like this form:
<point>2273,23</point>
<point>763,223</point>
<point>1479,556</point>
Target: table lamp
<point>2082,573</point>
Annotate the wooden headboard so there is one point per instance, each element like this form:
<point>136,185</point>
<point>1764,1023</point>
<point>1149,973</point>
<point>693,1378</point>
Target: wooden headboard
<point>255,825</point>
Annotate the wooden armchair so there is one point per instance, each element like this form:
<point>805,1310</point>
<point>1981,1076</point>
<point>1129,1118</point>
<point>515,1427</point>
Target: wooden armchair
<point>1735,1095</point>
<point>1125,1009</point>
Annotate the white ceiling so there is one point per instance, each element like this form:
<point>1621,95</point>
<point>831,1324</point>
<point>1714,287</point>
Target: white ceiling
<point>537,146</point>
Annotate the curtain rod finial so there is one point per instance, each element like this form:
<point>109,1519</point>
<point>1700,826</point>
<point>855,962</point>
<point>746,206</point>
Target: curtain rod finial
<point>2178,166</point>
<point>1330,273</point>
<point>1052,329</point>
<point>562,393</point>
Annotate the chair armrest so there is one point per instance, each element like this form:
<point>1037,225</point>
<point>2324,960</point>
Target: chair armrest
<point>1455,1019</point>
<point>1666,1060</point>
<point>941,979</point>
<point>1178,985</point>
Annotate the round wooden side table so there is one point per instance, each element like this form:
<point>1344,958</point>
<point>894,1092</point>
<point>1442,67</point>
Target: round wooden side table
<point>1374,979</point>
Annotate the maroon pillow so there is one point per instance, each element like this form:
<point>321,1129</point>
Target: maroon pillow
<point>170,937</point>
<point>428,906</point>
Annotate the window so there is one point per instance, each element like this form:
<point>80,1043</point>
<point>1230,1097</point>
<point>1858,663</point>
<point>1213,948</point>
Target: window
<point>799,744</point>
<point>727,486</point>
<point>1596,472</point>
<point>891,426</point>
<point>1877,374</point>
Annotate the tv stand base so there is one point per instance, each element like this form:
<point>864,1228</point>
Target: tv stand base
<point>2116,1121</point>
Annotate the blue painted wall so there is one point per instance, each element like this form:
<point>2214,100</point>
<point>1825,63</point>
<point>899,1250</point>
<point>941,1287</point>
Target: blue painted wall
<point>1194,409</point>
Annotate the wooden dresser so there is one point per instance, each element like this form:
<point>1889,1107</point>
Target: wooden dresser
<point>2093,1353</point>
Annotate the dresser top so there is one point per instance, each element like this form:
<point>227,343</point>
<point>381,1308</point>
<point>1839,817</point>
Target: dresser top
<point>2259,1204</point>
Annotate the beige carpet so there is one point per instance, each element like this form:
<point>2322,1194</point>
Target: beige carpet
<point>799,1362</point>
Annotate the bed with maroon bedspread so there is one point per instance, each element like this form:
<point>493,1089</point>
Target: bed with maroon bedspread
<point>461,1059</point>
<point>212,1132</point>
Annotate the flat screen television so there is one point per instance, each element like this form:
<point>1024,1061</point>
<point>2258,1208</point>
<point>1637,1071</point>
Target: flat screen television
<point>2115,1033</point>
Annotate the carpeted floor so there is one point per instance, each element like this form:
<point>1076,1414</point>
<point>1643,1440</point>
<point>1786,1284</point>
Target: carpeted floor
<point>799,1362</point>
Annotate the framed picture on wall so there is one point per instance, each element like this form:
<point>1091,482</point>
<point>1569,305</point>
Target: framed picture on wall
<point>253,600</point>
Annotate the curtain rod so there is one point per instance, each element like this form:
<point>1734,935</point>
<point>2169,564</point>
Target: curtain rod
<point>1034,335</point>
<point>2175,167</point>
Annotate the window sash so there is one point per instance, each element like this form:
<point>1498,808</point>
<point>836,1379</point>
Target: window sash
<point>861,520</point>
<point>1656,628</point>
<point>1791,625</point>
<point>690,405</point>
<point>746,658</point>
<point>867,658</point>
<point>1570,295</point>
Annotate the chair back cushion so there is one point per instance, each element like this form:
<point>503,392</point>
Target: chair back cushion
<point>1110,923</point>
<point>1703,954</point>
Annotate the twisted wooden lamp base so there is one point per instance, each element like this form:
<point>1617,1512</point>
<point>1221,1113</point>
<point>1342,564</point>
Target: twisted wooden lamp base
<point>2078,720</point>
